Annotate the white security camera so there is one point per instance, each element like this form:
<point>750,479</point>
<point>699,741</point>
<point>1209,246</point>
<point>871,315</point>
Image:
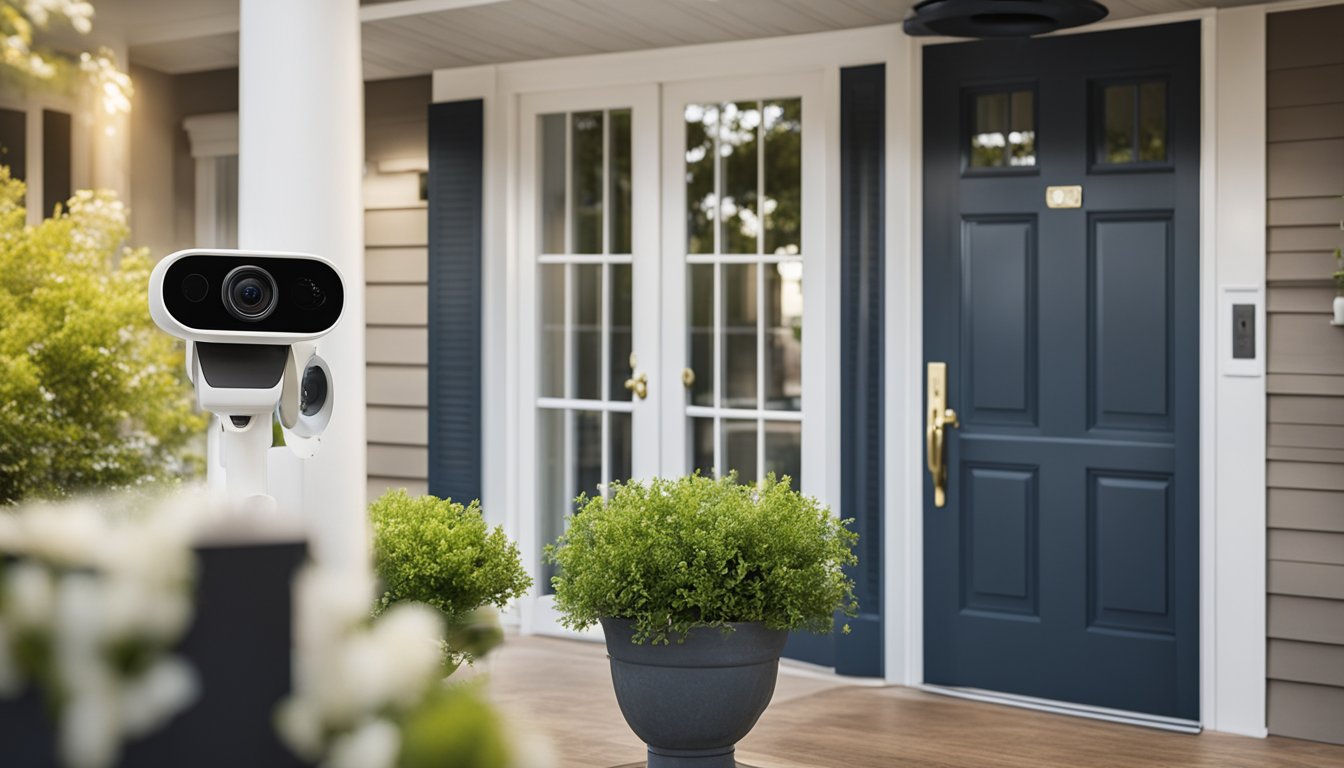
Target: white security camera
<point>250,319</point>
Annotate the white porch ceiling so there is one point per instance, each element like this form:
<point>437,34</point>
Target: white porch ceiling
<point>415,37</point>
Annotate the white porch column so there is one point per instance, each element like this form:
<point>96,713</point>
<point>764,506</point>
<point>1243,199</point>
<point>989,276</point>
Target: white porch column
<point>301,135</point>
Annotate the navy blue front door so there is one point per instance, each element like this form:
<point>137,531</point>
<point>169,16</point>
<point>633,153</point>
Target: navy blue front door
<point>1061,268</point>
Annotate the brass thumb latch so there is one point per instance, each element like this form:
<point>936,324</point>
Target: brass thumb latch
<point>938,418</point>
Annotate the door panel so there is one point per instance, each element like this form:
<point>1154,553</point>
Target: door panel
<point>588,229</point>
<point>1064,564</point>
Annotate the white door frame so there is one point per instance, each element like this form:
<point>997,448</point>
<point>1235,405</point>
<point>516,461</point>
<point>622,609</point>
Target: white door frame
<point>538,610</point>
<point>1232,489</point>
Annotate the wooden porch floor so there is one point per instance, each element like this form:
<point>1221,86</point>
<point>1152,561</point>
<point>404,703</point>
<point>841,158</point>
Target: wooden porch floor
<point>562,689</point>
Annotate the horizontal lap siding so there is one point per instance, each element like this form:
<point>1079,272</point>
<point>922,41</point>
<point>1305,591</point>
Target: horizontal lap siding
<point>1305,384</point>
<point>396,236</point>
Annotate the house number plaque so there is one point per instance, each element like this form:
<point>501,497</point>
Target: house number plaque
<point>1064,197</point>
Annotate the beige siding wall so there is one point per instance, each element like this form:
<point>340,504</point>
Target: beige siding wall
<point>396,236</point>
<point>1306,375</point>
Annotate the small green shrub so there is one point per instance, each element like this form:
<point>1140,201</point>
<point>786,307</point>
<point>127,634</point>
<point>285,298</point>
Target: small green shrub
<point>440,553</point>
<point>676,554</point>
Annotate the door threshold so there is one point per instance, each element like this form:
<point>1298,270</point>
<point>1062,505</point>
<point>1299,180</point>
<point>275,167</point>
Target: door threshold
<point>807,669</point>
<point>1158,722</point>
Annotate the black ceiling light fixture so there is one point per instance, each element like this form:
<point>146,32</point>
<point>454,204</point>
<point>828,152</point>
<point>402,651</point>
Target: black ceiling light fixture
<point>1000,18</point>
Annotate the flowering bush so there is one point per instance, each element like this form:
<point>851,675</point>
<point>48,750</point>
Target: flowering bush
<point>19,55</point>
<point>92,395</point>
<point>676,554</point>
<point>91,600</point>
<point>370,694</point>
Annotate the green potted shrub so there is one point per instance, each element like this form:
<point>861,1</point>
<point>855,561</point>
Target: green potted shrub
<point>696,583</point>
<point>443,554</point>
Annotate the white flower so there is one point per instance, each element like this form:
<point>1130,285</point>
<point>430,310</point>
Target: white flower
<point>88,728</point>
<point>162,691</point>
<point>70,534</point>
<point>357,684</point>
<point>329,602</point>
<point>78,625</point>
<point>300,727</point>
<point>374,744</point>
<point>409,637</point>
<point>30,595</point>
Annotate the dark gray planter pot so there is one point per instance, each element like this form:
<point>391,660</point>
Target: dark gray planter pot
<point>691,702</point>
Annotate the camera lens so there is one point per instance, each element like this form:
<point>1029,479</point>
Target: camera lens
<point>249,293</point>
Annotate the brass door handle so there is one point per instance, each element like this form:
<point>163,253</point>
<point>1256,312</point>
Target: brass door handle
<point>938,418</point>
<point>639,385</point>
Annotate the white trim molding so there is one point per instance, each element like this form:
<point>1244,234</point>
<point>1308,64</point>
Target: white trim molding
<point>1232,450</point>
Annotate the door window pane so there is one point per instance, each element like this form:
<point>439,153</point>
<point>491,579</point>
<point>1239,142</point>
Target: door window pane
<point>739,449</point>
<point>621,330</point>
<point>587,454</point>
<point>784,450</point>
<point>1153,122</point>
<point>1132,123</point>
<point>552,172</point>
<point>702,446</point>
<point>702,200</point>
<point>700,316</point>
<point>587,170</point>
<point>56,173</point>
<point>1003,129</point>
<point>618,185</point>
<point>784,335</point>
<point>739,336</point>
<point>621,442</point>
<point>587,329</point>
<point>739,127</point>
<point>551,287</point>
<point>782,203</point>
<point>554,496</point>
<point>1118,140</point>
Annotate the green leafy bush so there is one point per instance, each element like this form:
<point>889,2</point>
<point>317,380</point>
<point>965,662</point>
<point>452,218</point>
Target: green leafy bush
<point>92,394</point>
<point>676,554</point>
<point>443,554</point>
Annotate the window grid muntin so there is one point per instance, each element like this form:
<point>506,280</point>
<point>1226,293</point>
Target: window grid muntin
<point>570,405</point>
<point>718,412</point>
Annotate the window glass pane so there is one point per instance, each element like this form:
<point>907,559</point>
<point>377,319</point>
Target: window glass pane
<point>782,203</point>
<point>738,365</point>
<point>1022,129</point>
<point>784,450</point>
<point>739,127</point>
<point>587,450</point>
<point>702,202</point>
<point>56,166</point>
<point>1117,124</point>
<point>587,314</point>
<point>553,494</point>
<point>620,446</point>
<point>1003,131</point>
<point>586,182</point>
<point>621,344</point>
<point>700,316</point>
<point>552,222</point>
<point>989,137</point>
<point>1153,122</point>
<point>739,449</point>
<point>702,446</point>
<point>618,129</point>
<point>783,335</point>
<point>14,142</point>
<point>551,290</point>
